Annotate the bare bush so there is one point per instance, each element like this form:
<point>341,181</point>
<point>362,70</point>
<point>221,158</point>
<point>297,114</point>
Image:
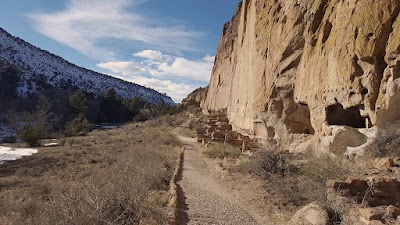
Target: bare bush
<point>267,163</point>
<point>387,142</point>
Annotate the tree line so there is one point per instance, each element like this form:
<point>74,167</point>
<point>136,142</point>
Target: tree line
<point>58,112</point>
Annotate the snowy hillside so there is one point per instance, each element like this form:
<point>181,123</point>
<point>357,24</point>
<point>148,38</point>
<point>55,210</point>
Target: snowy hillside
<point>42,69</point>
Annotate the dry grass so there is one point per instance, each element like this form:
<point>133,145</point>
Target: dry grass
<point>118,176</point>
<point>293,181</point>
<point>387,142</point>
<point>221,151</point>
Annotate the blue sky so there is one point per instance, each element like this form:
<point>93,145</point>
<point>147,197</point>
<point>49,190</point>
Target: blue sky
<point>168,45</point>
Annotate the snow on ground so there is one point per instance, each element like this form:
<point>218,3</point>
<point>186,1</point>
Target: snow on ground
<point>53,144</point>
<point>9,154</point>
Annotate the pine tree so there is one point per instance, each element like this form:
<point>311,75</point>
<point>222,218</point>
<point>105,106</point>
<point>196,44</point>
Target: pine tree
<point>79,102</point>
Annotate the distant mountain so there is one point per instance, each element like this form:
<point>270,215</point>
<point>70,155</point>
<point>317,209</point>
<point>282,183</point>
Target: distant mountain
<point>41,70</point>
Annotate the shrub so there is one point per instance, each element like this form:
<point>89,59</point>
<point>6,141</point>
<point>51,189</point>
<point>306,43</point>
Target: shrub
<point>77,125</point>
<point>267,163</point>
<point>10,139</point>
<point>192,124</point>
<point>220,151</point>
<point>141,117</point>
<point>164,138</point>
<point>387,143</point>
<point>31,135</point>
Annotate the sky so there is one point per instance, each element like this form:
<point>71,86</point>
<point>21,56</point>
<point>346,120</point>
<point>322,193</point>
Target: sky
<point>167,45</point>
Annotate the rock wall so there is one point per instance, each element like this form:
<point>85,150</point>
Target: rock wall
<point>216,128</point>
<point>288,67</point>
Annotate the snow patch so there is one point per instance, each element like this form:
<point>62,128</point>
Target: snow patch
<point>9,154</point>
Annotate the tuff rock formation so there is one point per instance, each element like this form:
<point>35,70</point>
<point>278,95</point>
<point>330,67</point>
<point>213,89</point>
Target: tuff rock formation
<point>288,67</point>
<point>197,96</point>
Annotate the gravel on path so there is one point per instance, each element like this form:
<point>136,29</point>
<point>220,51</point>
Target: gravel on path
<point>203,199</point>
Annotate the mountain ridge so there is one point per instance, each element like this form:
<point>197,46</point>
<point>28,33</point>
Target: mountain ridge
<point>37,64</point>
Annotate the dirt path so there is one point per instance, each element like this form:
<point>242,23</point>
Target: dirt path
<point>202,198</point>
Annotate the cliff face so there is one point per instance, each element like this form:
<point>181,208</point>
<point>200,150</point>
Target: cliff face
<point>197,96</point>
<point>301,66</point>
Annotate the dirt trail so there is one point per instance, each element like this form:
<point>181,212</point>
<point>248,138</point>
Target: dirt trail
<point>202,198</point>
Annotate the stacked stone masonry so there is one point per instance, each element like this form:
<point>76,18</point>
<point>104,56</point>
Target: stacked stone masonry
<point>216,128</point>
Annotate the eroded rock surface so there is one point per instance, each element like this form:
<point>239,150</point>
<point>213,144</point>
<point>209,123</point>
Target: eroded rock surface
<point>312,214</point>
<point>197,96</point>
<point>297,66</point>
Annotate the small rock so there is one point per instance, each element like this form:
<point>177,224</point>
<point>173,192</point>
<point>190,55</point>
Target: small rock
<point>383,163</point>
<point>393,211</point>
<point>312,214</point>
<point>371,214</point>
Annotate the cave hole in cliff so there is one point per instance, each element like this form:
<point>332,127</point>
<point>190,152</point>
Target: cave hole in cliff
<point>364,91</point>
<point>337,115</point>
<point>358,71</point>
<point>299,121</point>
<point>326,32</point>
<point>318,17</point>
<point>396,71</point>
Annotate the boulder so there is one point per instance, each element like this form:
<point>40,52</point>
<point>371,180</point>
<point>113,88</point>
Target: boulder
<point>370,214</point>
<point>393,211</point>
<point>312,214</point>
<point>373,191</point>
<point>384,163</point>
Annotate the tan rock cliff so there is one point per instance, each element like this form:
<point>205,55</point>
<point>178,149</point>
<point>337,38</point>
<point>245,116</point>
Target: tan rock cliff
<point>288,67</point>
<point>197,96</point>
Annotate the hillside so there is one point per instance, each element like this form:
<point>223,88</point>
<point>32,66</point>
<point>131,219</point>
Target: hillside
<point>42,70</point>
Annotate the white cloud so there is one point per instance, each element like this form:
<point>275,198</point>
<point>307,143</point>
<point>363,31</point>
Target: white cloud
<point>209,58</point>
<point>126,68</point>
<point>197,70</point>
<point>85,24</point>
<point>177,91</point>
<point>159,65</point>
<point>155,69</point>
<point>149,54</point>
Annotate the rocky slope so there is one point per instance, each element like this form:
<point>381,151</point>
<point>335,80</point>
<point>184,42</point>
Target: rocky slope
<point>197,96</point>
<point>41,69</point>
<point>301,67</point>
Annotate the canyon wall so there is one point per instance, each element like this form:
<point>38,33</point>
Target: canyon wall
<point>288,67</point>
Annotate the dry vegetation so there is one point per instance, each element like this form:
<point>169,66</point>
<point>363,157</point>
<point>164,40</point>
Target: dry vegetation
<point>118,176</point>
<point>290,181</point>
<point>221,151</point>
<point>387,142</point>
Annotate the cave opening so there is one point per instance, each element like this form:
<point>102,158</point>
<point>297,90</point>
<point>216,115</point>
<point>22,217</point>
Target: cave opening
<point>299,120</point>
<point>337,115</point>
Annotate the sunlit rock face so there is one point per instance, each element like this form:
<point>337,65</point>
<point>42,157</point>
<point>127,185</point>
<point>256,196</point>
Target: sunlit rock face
<point>288,67</point>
